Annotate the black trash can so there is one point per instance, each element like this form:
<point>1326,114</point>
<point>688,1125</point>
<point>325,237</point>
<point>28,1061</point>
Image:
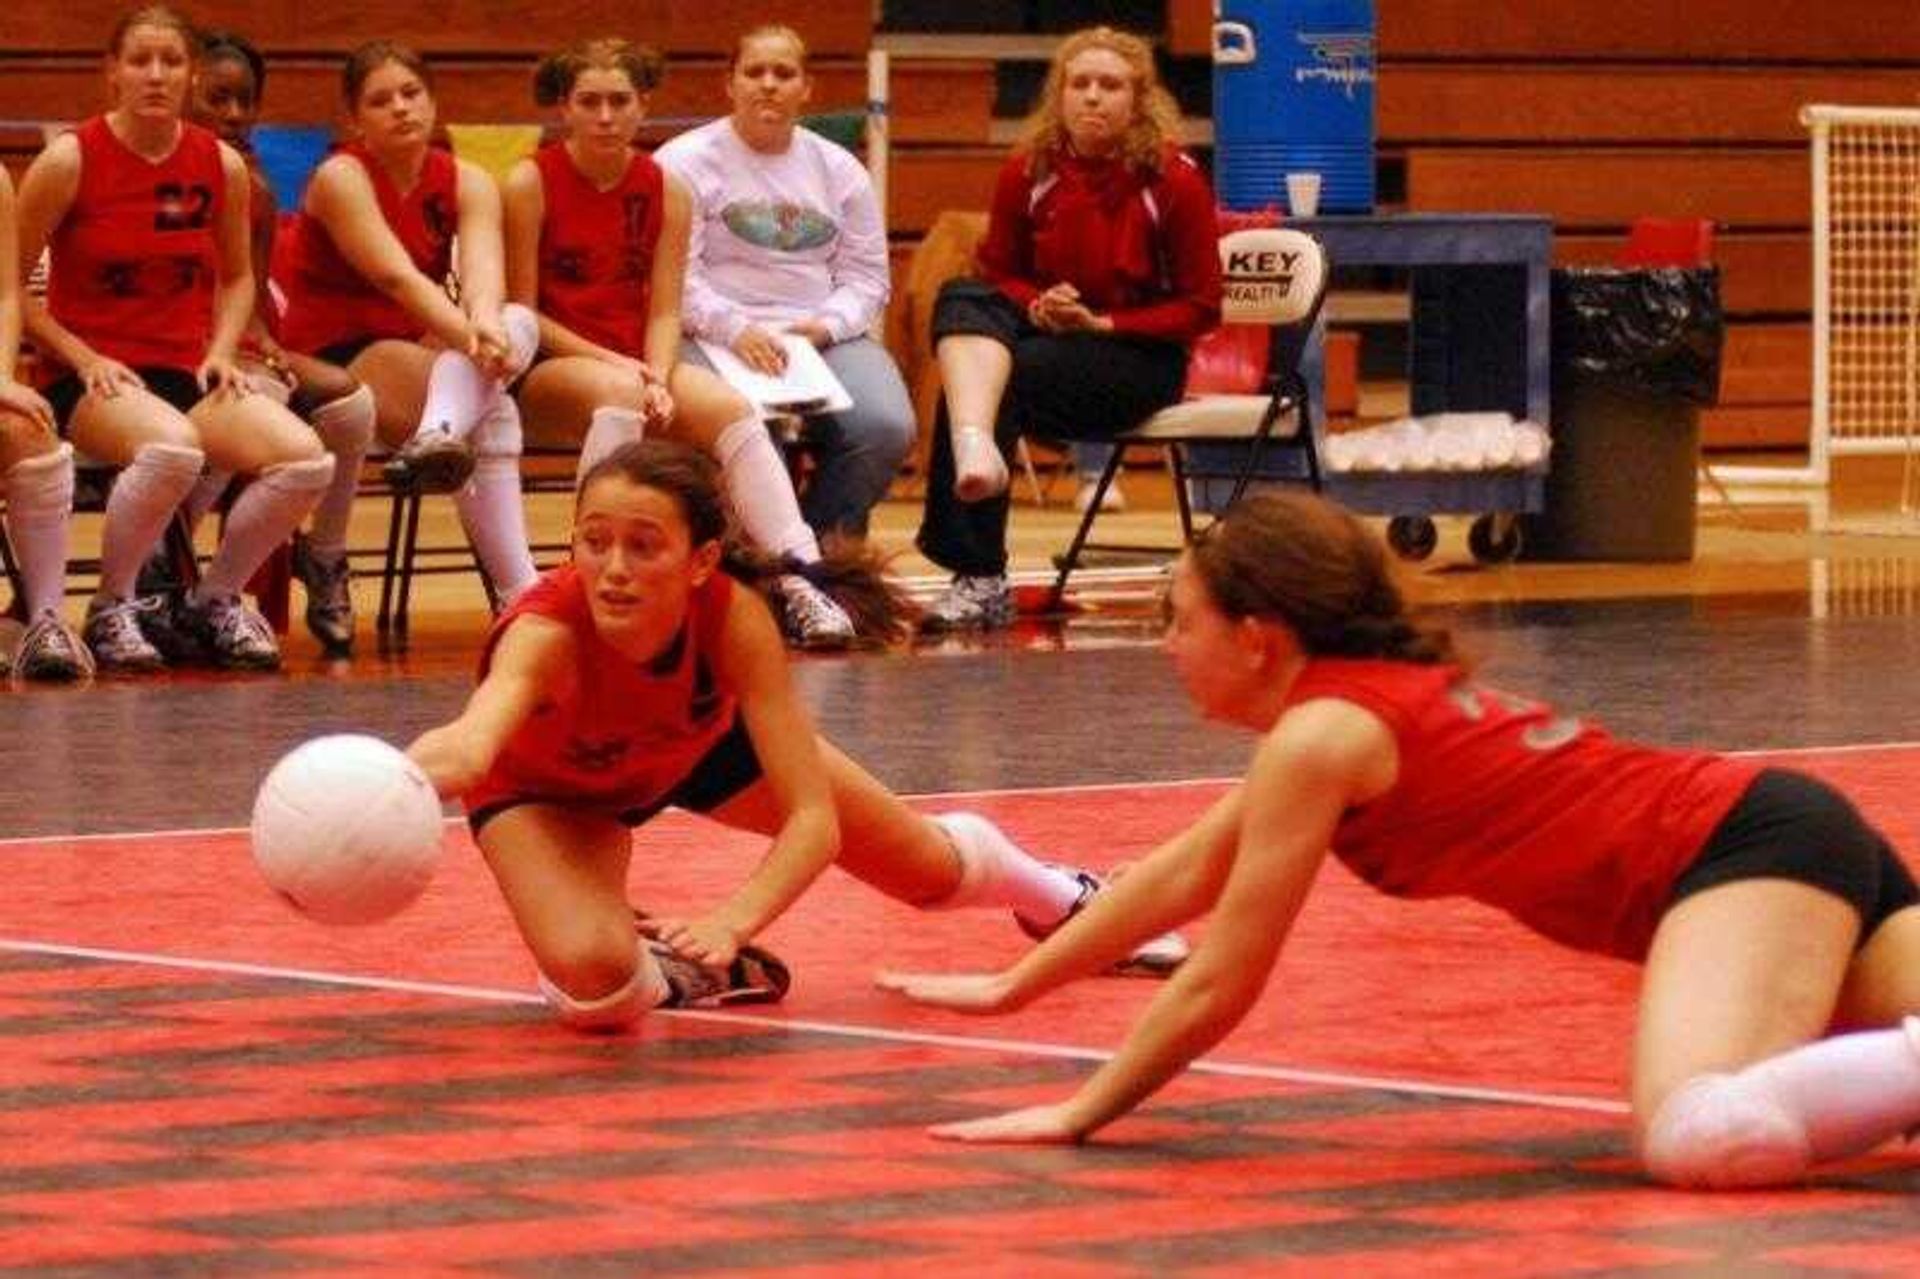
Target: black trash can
<point>1636,353</point>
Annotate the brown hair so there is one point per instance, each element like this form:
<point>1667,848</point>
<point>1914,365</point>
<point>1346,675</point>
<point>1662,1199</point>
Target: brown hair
<point>153,15</point>
<point>554,78</point>
<point>1156,122</point>
<point>1298,559</point>
<point>369,58</point>
<point>769,31</point>
<point>851,574</point>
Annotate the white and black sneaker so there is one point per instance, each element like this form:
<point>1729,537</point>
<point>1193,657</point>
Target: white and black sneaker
<point>113,634</point>
<point>329,586</point>
<point>433,461</point>
<point>810,617</point>
<point>1155,957</point>
<point>983,603</point>
<point>50,651</point>
<point>238,638</point>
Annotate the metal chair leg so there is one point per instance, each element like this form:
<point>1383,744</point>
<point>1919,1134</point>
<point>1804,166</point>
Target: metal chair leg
<point>1072,560</point>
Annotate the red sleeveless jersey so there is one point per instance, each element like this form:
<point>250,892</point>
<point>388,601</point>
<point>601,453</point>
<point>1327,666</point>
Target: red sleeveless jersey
<point>328,301</point>
<point>1572,832</point>
<point>596,249</point>
<point>619,733</point>
<point>134,264</point>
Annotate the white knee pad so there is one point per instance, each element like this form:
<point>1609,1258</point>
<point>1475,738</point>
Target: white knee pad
<point>42,483</point>
<point>172,459</point>
<point>308,475</point>
<point>1723,1132</point>
<point>345,425</point>
<point>615,1011</point>
<point>498,432</point>
<point>523,336</point>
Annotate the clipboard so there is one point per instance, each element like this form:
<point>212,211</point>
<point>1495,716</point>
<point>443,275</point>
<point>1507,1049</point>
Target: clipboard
<point>806,386</point>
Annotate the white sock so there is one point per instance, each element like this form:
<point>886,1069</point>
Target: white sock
<point>265,515</point>
<point>345,426</point>
<point>457,394</point>
<point>608,429</point>
<point>995,871</point>
<point>761,492</point>
<point>203,495</point>
<point>39,506</point>
<point>144,497</point>
<point>490,506</point>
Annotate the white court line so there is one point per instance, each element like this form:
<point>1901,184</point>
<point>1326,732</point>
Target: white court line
<point>1031,1048</point>
<point>1176,783</point>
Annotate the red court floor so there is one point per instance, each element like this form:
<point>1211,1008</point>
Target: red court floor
<point>196,1081</point>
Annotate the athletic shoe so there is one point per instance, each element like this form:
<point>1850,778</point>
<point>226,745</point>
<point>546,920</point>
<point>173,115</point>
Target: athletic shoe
<point>113,633</point>
<point>238,638</point>
<point>754,977</point>
<point>971,604</point>
<point>329,596</point>
<point>51,651</point>
<point>430,462</point>
<point>1156,957</point>
<point>809,616</point>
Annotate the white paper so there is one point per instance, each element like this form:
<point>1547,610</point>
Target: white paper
<point>806,386</point>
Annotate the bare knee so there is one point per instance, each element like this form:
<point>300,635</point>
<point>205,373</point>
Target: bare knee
<point>589,963</point>
<point>1723,1132</point>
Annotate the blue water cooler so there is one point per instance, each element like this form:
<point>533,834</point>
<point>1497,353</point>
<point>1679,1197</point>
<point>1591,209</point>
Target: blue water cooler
<point>1293,93</point>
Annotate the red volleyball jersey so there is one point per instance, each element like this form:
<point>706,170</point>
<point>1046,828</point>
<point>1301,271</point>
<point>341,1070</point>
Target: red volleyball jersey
<point>596,249</point>
<point>328,301</point>
<point>619,734</point>
<point>1572,832</point>
<point>134,264</point>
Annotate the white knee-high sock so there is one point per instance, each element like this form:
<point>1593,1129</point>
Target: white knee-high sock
<point>761,492</point>
<point>459,394</point>
<point>608,429</point>
<point>491,510</point>
<point>143,499</point>
<point>266,514</point>
<point>39,510</point>
<point>995,871</point>
<point>345,426</point>
<point>204,494</point>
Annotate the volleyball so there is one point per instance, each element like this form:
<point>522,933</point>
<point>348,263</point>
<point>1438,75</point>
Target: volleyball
<point>347,829</point>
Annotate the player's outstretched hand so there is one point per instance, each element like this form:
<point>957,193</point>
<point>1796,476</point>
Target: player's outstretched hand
<point>961,992</point>
<point>1034,1126</point>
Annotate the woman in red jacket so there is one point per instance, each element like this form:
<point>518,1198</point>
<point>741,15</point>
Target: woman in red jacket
<point>1100,268</point>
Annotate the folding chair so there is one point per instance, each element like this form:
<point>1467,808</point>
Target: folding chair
<point>1274,277</point>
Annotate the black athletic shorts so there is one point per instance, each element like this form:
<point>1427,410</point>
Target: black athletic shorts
<point>728,767</point>
<point>974,307</point>
<point>176,386</point>
<point>1791,826</point>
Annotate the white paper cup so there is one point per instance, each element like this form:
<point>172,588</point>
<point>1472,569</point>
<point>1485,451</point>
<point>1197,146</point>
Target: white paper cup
<point>1303,194</point>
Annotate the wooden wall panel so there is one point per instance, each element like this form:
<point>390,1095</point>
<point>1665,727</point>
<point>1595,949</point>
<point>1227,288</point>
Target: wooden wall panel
<point>1506,102</point>
<point>932,102</point>
<point>1766,274</point>
<point>1724,30</point>
<point>1190,28</point>
<point>1756,426</point>
<point>927,181</point>
<point>473,26</point>
<point>1610,187</point>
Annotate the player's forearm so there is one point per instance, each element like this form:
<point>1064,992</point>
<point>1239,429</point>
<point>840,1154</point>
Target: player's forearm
<point>808,843</point>
<point>232,309</point>
<point>1191,1014</point>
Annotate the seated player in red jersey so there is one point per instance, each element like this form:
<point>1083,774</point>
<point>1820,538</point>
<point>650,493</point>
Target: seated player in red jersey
<point>227,88</point>
<point>149,289</point>
<point>366,282</point>
<point>36,474</point>
<point>1766,912</point>
<point>596,242</point>
<point>641,676</point>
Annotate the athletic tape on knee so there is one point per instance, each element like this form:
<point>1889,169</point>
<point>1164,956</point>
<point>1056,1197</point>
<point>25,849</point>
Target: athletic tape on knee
<point>643,992</point>
<point>523,337</point>
<point>345,425</point>
<point>42,484</point>
<point>1725,1132</point>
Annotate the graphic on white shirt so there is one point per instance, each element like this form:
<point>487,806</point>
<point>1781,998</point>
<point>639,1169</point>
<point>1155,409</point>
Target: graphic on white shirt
<point>779,225</point>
